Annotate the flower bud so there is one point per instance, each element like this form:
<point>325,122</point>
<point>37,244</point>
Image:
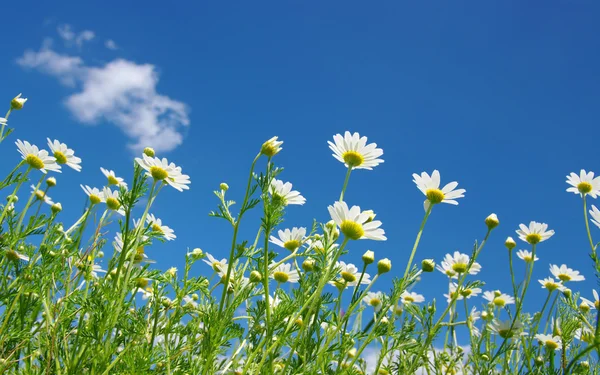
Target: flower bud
<point>384,320</point>
<point>538,361</point>
<point>567,293</point>
<point>149,151</point>
<point>197,253</point>
<point>195,297</point>
<point>12,199</point>
<point>584,307</point>
<point>271,147</point>
<point>172,272</point>
<point>352,353</point>
<point>17,102</point>
<point>510,243</point>
<point>497,293</point>
<point>51,181</point>
<point>368,257</point>
<point>255,277</point>
<point>308,265</point>
<point>223,186</point>
<point>492,221</point>
<point>383,266</point>
<point>427,265</point>
<point>56,208</point>
<point>100,255</point>
<point>140,282</point>
<point>485,357</point>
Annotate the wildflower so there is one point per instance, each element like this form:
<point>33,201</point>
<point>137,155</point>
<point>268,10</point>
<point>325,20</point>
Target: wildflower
<point>430,187</point>
<point>593,305</point>
<point>551,284</point>
<point>17,102</point>
<point>51,182</point>
<point>498,299</point>
<point>584,334</point>
<point>96,196</point>
<point>458,263</point>
<point>36,158</point>
<point>410,297</point>
<point>564,273</point>
<point>510,243</point>
<point>149,151</point>
<point>384,266</point>
<point>595,213</point>
<point>492,221</point>
<point>111,198</point>
<point>223,186</point>
<point>283,273</point>
<point>503,328</point>
<point>289,239</point>
<point>15,256</point>
<point>196,253</point>
<point>527,256</point>
<point>162,170</point>
<point>64,155</point>
<point>271,147</point>
<point>584,184</point>
<point>551,342</point>
<point>56,208</point>
<point>353,223</point>
<point>255,277</point>
<point>308,265</point>
<point>284,194</point>
<point>374,299</point>
<point>156,226</point>
<point>273,301</point>
<point>428,265</point>
<point>368,257</point>
<point>535,233</point>
<point>112,178</point>
<point>139,256</point>
<point>351,274</point>
<point>353,151</point>
<point>189,301</point>
<point>216,265</point>
<point>40,195</point>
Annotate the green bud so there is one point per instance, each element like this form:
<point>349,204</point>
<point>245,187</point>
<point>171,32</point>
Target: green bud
<point>223,186</point>
<point>383,266</point>
<point>427,265</point>
<point>368,257</point>
<point>149,151</point>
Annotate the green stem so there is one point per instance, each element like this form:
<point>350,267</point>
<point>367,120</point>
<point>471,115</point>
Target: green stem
<point>416,244</point>
<point>345,183</point>
<point>3,125</point>
<point>587,225</point>
<point>14,194</point>
<point>18,228</point>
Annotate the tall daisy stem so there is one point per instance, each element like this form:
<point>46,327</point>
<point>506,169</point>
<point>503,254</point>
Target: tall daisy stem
<point>345,183</point>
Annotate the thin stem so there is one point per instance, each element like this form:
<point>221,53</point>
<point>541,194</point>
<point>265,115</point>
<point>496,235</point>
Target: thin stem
<point>345,183</point>
<point>417,240</point>
<point>14,194</point>
<point>4,124</point>
<point>587,225</point>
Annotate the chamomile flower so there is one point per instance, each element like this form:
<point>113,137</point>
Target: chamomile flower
<point>140,256</point>
<point>15,256</point>
<point>551,342</point>
<point>527,256</point>
<point>189,301</point>
<point>284,273</point>
<point>430,187</point>
<point>595,213</point>
<point>162,170</point>
<point>353,151</point>
<point>551,284</point>
<point>284,193</point>
<point>64,155</point>
<point>271,147</point>
<point>595,304</point>
<point>111,198</point>
<point>458,263</point>
<point>17,102</point>
<point>289,239</point>
<point>355,224</point>
<point>40,195</point>
<point>411,297</point>
<point>374,299</point>
<point>95,270</point>
<point>96,196</point>
<point>535,233</point>
<point>36,158</point>
<point>112,178</point>
<point>216,264</point>
<point>350,274</point>
<point>498,299</point>
<point>504,330</point>
<point>157,226</point>
<point>584,184</point>
<point>564,273</point>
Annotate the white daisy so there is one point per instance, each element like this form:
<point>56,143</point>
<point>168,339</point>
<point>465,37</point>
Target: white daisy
<point>283,192</point>
<point>584,334</point>
<point>595,304</point>
<point>216,264</point>
<point>17,102</point>
<point>273,301</point>
<point>111,198</point>
<point>140,256</point>
<point>95,270</point>
<point>350,275</point>
<point>289,239</point>
<point>355,224</point>
<point>503,328</point>
<point>498,299</point>
<point>535,233</point>
<point>284,273</point>
<point>96,196</point>
<point>36,158</point>
<point>527,256</point>
<point>64,155</point>
<point>15,256</point>
<point>595,213</point>
<point>411,297</point>
<point>162,170</point>
<point>374,299</point>
<point>583,184</point>
<point>353,151</point>
<point>40,195</point>
<point>551,284</point>
<point>458,263</point>
<point>271,147</point>
<point>430,187</point>
<point>156,226</point>
<point>551,342</point>
<point>564,273</point>
<point>189,301</point>
<point>112,178</point>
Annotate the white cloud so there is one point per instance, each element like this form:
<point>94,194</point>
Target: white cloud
<point>111,44</point>
<point>69,36</point>
<point>121,92</point>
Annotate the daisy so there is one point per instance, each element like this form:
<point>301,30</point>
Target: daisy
<point>111,198</point>
<point>95,270</point>
<point>430,187</point>
<point>595,216</point>
<point>595,304</point>
<point>353,151</point>
<point>156,226</point>
<point>458,263</point>
<point>527,256</point>
<point>17,102</point>
<point>289,239</point>
<point>535,233</point>
<point>214,263</point>
<point>355,224</point>
<point>498,299</point>
<point>319,247</point>
<point>140,256</point>
<point>551,342</point>
<point>564,273</point>
<point>273,301</point>
<point>374,299</point>
<point>503,328</point>
<point>96,196</point>
<point>410,297</point>
<point>283,273</point>
<point>189,301</point>
<point>350,274</point>
<point>162,170</point>
<point>584,184</point>
<point>36,158</point>
<point>15,256</point>
<point>584,334</point>
<point>64,155</point>
<point>551,284</point>
<point>271,147</point>
<point>284,193</point>
<point>41,195</point>
<point>112,178</point>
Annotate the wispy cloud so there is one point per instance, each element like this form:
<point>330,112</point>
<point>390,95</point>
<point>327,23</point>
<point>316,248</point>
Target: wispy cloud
<point>121,92</point>
<point>111,44</point>
<point>69,36</point>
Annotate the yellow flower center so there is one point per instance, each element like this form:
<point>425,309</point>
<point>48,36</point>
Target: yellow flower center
<point>139,254</point>
<point>466,292</point>
<point>158,173</point>
<point>450,273</point>
<point>279,200</point>
<point>528,258</point>
<point>156,228</point>
<point>112,180</point>
<point>12,255</point>
<point>60,157</point>
<point>40,195</point>
<point>459,267</point>
<point>353,158</point>
<point>95,199</point>
<point>434,196</point>
<point>564,277</point>
<point>533,238</point>
<point>505,333</point>
<point>113,203</point>
<point>348,277</point>
<point>269,149</point>
<point>375,302</point>
<point>597,305</point>
<point>352,229</point>
<point>409,299</point>
<point>34,161</point>
<point>142,283</point>
<point>281,277</point>
<point>584,187</point>
<point>291,245</point>
<point>550,344</point>
<point>499,301</point>
<point>216,265</point>
<point>551,286</point>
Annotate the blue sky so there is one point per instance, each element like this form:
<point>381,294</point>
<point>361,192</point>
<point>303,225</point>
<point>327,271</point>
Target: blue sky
<point>499,96</point>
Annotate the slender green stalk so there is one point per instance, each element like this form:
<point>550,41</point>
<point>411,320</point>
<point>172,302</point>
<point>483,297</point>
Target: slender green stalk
<point>345,184</point>
<point>14,194</point>
<point>4,124</point>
